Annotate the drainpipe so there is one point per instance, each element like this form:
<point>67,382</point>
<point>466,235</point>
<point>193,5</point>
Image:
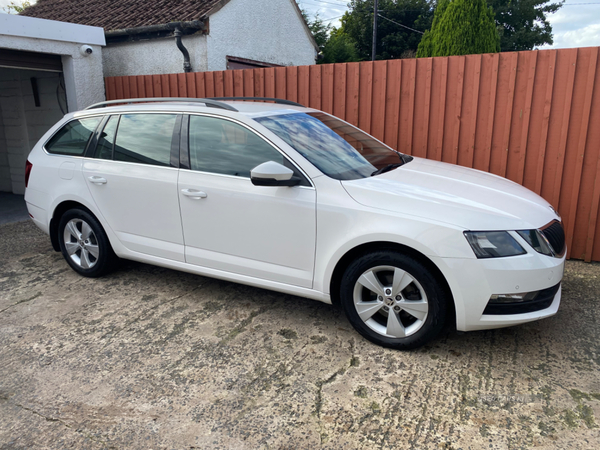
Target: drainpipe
<point>187,67</point>
<point>179,29</point>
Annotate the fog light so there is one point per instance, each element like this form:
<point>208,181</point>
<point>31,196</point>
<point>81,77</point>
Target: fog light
<point>522,303</point>
<point>514,298</point>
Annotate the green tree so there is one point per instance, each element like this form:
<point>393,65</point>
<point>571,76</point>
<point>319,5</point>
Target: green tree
<point>339,48</point>
<point>17,7</point>
<point>426,46</point>
<point>394,39</point>
<point>522,23</point>
<point>320,31</point>
<point>464,27</point>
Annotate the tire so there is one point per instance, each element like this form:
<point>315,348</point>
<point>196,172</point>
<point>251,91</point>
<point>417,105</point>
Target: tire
<point>84,244</point>
<point>381,282</point>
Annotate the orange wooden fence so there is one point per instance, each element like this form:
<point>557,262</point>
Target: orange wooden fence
<point>532,117</point>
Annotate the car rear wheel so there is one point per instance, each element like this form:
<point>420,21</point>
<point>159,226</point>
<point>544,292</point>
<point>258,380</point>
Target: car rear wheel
<point>393,300</point>
<point>84,243</point>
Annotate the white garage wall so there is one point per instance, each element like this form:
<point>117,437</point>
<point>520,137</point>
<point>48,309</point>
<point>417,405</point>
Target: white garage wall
<point>24,123</point>
<point>83,74</point>
<point>5,181</point>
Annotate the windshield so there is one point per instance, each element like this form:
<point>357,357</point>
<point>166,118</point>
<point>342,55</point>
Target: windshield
<point>337,149</point>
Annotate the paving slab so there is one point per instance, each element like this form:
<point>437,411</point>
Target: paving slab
<point>150,358</point>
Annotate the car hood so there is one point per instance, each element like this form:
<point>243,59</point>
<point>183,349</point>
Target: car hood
<point>460,196</point>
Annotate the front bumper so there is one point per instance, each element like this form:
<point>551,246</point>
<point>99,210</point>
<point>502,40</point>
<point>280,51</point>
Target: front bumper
<point>474,281</point>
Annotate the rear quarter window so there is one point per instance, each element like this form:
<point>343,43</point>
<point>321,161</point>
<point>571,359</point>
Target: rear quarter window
<point>73,138</point>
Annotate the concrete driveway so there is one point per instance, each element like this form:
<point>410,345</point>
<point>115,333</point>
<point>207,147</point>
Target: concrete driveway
<point>149,358</point>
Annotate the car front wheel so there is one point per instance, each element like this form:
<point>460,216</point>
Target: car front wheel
<point>84,243</point>
<point>393,300</point>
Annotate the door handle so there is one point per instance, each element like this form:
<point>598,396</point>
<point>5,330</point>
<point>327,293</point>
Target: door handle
<point>97,180</point>
<point>194,194</point>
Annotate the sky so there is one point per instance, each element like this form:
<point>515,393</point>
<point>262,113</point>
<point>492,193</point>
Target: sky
<point>576,24</point>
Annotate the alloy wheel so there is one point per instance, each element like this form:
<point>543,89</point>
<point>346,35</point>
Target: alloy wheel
<point>390,301</point>
<point>81,243</point>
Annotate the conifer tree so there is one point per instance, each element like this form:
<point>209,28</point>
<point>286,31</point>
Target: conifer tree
<point>461,27</point>
<point>425,48</point>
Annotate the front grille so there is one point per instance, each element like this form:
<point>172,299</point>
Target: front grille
<point>556,237</point>
<point>542,301</point>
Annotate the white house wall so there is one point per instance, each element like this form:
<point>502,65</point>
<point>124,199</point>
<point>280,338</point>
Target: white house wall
<point>153,57</point>
<point>262,30</point>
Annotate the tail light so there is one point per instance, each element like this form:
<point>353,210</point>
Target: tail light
<point>28,167</point>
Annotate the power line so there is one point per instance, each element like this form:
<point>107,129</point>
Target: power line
<point>336,17</point>
<point>390,20</point>
<point>319,2</point>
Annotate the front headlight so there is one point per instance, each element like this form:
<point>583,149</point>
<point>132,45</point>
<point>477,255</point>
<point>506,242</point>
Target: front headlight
<point>537,240</point>
<point>493,244</point>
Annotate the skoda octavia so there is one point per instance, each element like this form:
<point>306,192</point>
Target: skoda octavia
<point>287,198</point>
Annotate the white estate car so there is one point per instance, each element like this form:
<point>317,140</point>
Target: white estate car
<point>292,199</point>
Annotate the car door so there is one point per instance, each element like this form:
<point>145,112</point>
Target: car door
<point>231,225</point>
<point>134,184</point>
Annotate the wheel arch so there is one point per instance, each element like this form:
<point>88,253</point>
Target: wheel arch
<point>58,212</point>
<point>369,247</point>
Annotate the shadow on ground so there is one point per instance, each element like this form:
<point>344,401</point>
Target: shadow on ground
<point>152,358</point>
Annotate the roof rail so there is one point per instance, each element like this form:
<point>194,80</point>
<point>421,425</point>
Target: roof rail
<point>266,99</point>
<point>207,101</point>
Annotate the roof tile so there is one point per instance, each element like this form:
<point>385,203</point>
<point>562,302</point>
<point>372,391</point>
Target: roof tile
<point>119,14</point>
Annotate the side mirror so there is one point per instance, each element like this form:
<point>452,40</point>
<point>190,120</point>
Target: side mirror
<point>271,173</point>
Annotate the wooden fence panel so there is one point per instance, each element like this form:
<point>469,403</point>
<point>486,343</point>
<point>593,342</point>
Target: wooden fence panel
<point>532,117</point>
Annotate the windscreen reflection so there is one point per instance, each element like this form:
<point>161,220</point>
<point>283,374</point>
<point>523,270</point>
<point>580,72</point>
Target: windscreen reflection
<point>334,147</point>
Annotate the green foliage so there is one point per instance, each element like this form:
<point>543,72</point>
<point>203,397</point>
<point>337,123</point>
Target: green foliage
<point>17,7</point>
<point>320,31</point>
<point>339,48</point>
<point>334,45</point>
<point>425,48</point>
<point>393,40</point>
<point>463,27</point>
<point>522,23</point>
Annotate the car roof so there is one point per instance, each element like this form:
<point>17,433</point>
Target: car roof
<point>247,108</point>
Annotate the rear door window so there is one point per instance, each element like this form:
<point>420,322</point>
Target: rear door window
<point>145,138</point>
<point>73,138</point>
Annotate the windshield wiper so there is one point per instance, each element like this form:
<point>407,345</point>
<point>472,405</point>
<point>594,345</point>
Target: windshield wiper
<point>404,158</point>
<point>387,168</point>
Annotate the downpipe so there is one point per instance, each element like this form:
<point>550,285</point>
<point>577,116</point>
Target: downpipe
<point>187,66</point>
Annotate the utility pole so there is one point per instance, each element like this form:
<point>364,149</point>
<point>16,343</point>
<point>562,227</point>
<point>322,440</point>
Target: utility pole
<point>375,13</point>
